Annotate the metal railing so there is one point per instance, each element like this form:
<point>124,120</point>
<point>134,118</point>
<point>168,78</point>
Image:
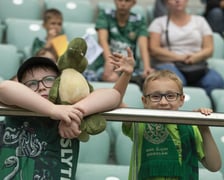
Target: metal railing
<point>140,115</point>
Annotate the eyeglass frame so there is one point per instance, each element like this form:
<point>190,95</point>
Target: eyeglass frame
<point>42,81</point>
<point>163,95</point>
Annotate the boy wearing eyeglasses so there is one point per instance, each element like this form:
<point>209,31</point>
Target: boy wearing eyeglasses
<point>170,151</point>
<point>43,147</point>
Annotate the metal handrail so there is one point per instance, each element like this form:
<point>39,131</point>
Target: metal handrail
<point>139,115</point>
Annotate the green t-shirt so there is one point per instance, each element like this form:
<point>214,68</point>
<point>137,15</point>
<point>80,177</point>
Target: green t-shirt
<point>33,149</point>
<point>120,37</point>
<point>173,132</point>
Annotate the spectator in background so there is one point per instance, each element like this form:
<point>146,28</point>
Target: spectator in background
<point>52,23</point>
<point>118,29</point>
<point>183,38</point>
<point>214,14</point>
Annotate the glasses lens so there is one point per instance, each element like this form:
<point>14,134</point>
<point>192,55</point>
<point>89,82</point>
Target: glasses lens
<point>155,97</point>
<point>171,96</point>
<point>33,84</point>
<point>48,81</point>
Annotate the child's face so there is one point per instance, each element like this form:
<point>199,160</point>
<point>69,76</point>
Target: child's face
<point>33,78</point>
<point>171,99</point>
<point>54,24</point>
<point>124,6</point>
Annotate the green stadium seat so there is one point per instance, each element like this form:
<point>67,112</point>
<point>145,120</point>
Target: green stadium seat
<point>218,135</point>
<point>73,10</point>
<point>218,100</point>
<point>101,172</point>
<point>218,46</point>
<point>195,98</point>
<point>123,148</point>
<point>22,32</point>
<point>77,29</point>
<point>24,9</point>
<point>96,150</point>
<point>9,61</point>
<point>217,64</point>
<point>205,174</point>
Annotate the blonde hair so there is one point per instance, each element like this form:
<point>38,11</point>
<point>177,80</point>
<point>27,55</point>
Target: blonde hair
<point>162,74</point>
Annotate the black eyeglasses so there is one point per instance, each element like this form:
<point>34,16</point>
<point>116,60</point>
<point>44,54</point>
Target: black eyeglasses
<point>47,81</point>
<point>156,97</point>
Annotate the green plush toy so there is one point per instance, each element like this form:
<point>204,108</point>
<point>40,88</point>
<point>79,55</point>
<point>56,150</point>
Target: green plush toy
<point>71,86</point>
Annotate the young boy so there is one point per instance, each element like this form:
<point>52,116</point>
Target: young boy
<point>52,23</point>
<point>170,151</point>
<point>32,147</point>
<point>117,30</point>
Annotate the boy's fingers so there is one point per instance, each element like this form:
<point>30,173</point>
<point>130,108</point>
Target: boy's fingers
<point>129,51</point>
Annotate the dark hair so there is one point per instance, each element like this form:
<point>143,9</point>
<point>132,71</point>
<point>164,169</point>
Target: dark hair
<point>36,62</point>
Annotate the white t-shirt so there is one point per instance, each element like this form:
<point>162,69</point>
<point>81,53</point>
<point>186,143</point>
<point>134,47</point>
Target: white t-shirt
<point>183,39</point>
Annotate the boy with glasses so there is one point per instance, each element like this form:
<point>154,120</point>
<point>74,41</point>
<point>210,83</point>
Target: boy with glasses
<point>43,147</point>
<point>170,151</point>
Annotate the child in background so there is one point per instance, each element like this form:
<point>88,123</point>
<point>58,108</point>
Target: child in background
<point>34,147</point>
<point>52,23</point>
<point>118,29</point>
<point>170,151</point>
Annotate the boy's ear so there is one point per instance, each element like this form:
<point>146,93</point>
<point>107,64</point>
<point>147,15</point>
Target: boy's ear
<point>182,98</point>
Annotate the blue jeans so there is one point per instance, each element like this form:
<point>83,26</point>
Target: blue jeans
<point>211,80</point>
<point>215,18</point>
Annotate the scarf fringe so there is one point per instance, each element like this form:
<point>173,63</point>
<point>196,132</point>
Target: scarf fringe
<point>159,169</point>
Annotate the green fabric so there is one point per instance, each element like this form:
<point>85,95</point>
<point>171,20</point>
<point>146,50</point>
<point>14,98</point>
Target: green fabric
<point>120,37</point>
<point>37,46</point>
<point>159,154</point>
<point>33,149</point>
<point>174,133</point>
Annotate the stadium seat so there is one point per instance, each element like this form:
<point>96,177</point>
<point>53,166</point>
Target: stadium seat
<point>132,98</point>
<point>96,150</point>
<point>24,9</point>
<point>217,64</point>
<point>22,32</point>
<point>218,135</point>
<point>110,5</point>
<point>101,172</point>
<point>218,46</point>
<point>195,98</point>
<point>218,100</point>
<point>73,10</point>
<point>205,174</point>
<point>76,29</point>
<point>123,148</point>
<point>2,28</point>
<point>9,61</point>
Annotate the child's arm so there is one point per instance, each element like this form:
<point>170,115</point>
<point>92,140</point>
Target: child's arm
<point>16,94</point>
<point>212,159</point>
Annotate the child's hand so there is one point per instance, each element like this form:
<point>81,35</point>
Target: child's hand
<point>69,131</point>
<point>205,111</point>
<point>123,63</point>
<point>66,113</point>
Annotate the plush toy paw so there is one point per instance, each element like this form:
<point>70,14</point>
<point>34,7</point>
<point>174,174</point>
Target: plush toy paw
<point>95,124</point>
<point>92,125</point>
<point>84,137</point>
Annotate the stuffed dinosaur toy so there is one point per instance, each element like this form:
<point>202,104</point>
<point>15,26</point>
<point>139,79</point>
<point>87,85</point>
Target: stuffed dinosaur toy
<point>71,86</point>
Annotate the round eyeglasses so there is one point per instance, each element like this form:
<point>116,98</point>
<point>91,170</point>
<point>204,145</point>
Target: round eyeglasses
<point>47,81</point>
<point>156,97</point>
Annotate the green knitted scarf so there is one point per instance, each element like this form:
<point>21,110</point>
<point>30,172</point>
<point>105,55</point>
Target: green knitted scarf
<point>160,157</point>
